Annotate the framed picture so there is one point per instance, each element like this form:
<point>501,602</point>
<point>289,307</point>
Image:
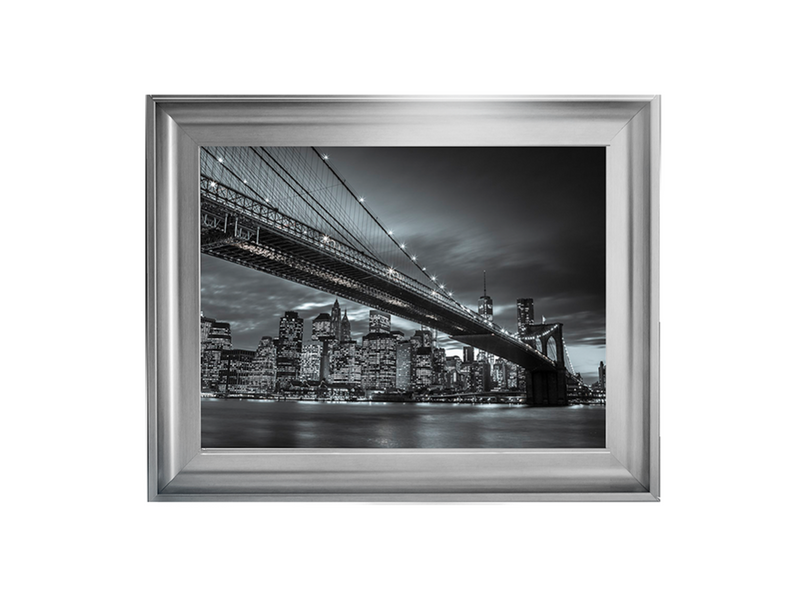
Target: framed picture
<point>402,299</point>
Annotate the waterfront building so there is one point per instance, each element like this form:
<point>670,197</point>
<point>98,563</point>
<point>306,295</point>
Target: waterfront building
<point>289,348</point>
<point>499,374</point>
<point>422,361</point>
<point>468,354</point>
<point>465,378</point>
<point>379,371</point>
<point>329,344</point>
<point>206,325</point>
<point>513,376</point>
<point>524,314</point>
<point>238,374</point>
<point>452,372</point>
<point>403,365</point>
<point>344,369</point>
<point>311,360</point>
<point>439,377</point>
<point>379,322</point>
<point>481,376</point>
<point>216,337</point>
<point>264,364</point>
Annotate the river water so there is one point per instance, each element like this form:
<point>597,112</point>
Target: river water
<point>230,423</point>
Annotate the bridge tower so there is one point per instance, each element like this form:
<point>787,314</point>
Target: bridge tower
<point>546,387</point>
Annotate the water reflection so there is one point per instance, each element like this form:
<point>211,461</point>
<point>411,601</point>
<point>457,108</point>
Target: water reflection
<point>314,424</point>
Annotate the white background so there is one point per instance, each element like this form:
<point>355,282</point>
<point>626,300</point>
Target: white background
<point>77,524</point>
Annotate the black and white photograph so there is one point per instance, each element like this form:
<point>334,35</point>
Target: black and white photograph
<point>403,297</point>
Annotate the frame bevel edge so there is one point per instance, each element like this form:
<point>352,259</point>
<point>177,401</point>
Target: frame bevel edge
<point>642,136</point>
<point>169,152</point>
<point>655,350</point>
<point>151,363</point>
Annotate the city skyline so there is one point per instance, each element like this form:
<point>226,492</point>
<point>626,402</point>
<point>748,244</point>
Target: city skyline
<point>533,219</point>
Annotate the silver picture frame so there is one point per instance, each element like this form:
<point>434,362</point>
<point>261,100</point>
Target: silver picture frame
<point>180,470</point>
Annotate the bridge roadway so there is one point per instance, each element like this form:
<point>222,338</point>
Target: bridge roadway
<point>240,229</point>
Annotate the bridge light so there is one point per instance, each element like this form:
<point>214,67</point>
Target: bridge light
<point>362,200</point>
<point>414,258</point>
<point>213,184</point>
<point>326,157</point>
<point>424,269</point>
<point>245,181</point>
<point>402,245</point>
<point>220,159</point>
<point>442,286</point>
<point>390,232</point>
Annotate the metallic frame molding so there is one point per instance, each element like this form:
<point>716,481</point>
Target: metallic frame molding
<point>180,470</point>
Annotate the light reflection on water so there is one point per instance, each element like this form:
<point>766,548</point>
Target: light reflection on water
<point>227,423</point>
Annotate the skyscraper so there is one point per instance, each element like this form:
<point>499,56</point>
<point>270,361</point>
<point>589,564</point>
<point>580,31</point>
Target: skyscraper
<point>344,366</point>
<point>289,348</point>
<point>403,365</point>
<point>485,307</point>
<point>379,322</point>
<point>216,337</point>
<point>422,361</point>
<point>265,366</point>
<point>322,326</point>
<point>346,329</point>
<point>311,360</point>
<point>335,317</point>
<point>379,371</point>
<point>524,314</point>
<point>468,354</point>
<point>238,373</point>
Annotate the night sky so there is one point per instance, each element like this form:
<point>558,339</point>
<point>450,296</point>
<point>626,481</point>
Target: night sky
<point>532,218</point>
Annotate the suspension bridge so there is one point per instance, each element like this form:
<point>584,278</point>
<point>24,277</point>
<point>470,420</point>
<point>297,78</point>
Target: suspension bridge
<point>287,212</point>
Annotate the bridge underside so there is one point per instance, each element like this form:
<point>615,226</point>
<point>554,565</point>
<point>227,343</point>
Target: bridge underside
<point>238,239</point>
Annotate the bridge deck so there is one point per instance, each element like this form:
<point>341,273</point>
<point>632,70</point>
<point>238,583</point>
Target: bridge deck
<point>243,231</point>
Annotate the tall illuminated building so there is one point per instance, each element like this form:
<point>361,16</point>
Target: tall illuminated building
<point>422,365</point>
<point>379,371</point>
<point>311,360</point>
<point>524,314</point>
<point>216,337</point>
<point>485,307</point>
<point>322,326</point>
<point>379,322</point>
<point>239,374</point>
<point>335,318</point>
<point>346,329</point>
<point>403,365</point>
<point>344,367</point>
<point>289,349</point>
<point>265,366</point>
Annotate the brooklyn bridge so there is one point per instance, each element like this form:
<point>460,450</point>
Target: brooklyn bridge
<point>287,212</point>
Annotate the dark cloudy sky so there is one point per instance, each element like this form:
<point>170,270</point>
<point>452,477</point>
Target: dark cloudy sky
<point>532,218</point>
